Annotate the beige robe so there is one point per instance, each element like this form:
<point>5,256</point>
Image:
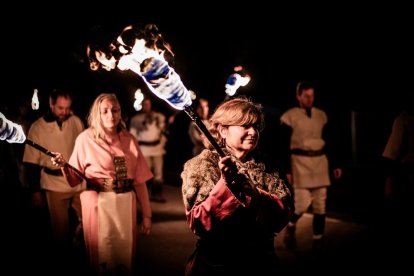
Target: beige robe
<point>307,171</point>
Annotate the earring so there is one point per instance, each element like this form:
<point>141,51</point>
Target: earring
<point>223,142</point>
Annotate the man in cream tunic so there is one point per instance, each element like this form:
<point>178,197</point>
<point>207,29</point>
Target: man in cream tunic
<point>56,131</point>
<point>309,173</point>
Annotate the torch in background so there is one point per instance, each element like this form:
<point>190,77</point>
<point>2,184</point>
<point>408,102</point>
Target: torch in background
<point>142,49</point>
<point>13,133</point>
<point>235,80</point>
<point>35,100</point>
<point>10,131</point>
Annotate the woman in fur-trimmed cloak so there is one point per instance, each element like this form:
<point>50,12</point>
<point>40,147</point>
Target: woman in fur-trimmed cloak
<point>232,204</point>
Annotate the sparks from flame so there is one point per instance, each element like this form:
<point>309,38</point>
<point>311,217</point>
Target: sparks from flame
<point>35,100</point>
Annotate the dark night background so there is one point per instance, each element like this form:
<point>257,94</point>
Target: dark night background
<point>360,58</point>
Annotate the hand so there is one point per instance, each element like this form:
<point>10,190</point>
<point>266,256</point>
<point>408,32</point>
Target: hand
<point>289,178</point>
<point>388,193</point>
<point>37,199</point>
<point>337,173</point>
<point>58,160</point>
<point>227,168</point>
<point>236,181</point>
<point>146,226</point>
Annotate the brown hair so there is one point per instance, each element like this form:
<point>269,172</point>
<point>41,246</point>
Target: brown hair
<point>235,112</point>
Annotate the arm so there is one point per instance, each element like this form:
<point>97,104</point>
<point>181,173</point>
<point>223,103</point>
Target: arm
<point>33,177</point>
<point>32,161</point>
<point>389,169</point>
<point>72,175</point>
<point>219,204</point>
<point>204,211</point>
<point>286,133</point>
<point>207,199</point>
<point>267,195</point>
<point>143,198</point>
<point>273,212</point>
<point>333,149</point>
<point>391,156</point>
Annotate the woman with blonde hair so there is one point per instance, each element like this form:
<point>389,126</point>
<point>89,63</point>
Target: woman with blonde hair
<point>110,158</point>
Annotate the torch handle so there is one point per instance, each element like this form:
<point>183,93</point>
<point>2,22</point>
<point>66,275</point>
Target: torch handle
<point>190,112</point>
<point>39,147</point>
<point>48,152</point>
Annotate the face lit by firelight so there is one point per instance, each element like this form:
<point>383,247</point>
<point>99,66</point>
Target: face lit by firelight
<point>61,108</point>
<point>110,113</point>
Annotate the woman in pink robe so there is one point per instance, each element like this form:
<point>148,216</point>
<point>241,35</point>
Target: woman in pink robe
<point>116,171</point>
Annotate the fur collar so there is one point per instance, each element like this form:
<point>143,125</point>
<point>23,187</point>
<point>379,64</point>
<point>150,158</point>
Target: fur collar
<point>201,173</point>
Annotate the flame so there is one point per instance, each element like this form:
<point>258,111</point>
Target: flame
<point>139,97</point>
<point>236,80</point>
<point>193,94</point>
<point>35,100</point>
<point>144,52</point>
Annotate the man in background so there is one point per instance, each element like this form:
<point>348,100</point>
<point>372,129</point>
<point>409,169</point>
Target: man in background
<point>309,167</point>
<point>57,131</point>
<point>148,127</point>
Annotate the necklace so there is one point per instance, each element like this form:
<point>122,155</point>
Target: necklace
<point>115,149</point>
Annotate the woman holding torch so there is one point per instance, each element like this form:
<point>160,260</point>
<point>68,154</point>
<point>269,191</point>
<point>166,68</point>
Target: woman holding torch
<point>110,158</point>
<point>232,203</point>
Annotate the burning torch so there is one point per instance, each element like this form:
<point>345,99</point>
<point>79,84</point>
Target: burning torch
<point>235,80</point>
<point>144,51</point>
<point>48,152</point>
<point>13,133</point>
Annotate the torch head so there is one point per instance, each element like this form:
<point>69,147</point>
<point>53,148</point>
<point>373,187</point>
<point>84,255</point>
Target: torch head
<point>11,132</point>
<point>143,51</point>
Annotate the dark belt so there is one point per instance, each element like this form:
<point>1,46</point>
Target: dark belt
<point>109,185</point>
<point>310,153</point>
<point>149,143</point>
<point>57,172</point>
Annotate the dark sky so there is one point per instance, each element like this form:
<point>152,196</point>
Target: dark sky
<point>355,55</point>
<point>359,57</point>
